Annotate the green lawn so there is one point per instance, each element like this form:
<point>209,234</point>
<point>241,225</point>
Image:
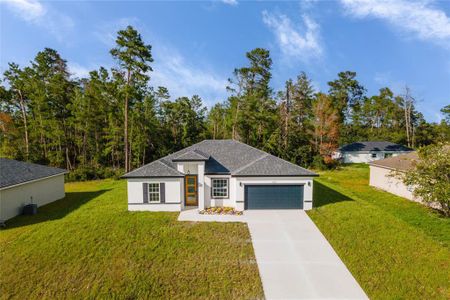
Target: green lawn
<point>395,248</point>
<point>89,246</point>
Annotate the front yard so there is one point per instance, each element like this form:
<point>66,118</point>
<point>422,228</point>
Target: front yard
<point>395,248</point>
<point>89,246</point>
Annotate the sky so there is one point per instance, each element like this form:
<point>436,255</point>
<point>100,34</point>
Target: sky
<point>197,45</point>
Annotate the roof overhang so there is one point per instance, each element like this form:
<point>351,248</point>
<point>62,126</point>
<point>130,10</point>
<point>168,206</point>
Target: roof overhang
<point>31,181</point>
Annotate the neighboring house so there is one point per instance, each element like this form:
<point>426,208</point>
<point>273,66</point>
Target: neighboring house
<point>382,174</point>
<point>24,183</point>
<point>219,173</point>
<point>365,152</point>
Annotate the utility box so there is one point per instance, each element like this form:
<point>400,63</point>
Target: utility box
<point>29,209</point>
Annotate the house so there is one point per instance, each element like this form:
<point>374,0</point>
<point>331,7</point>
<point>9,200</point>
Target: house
<point>24,183</point>
<point>219,173</point>
<point>364,152</point>
<point>382,174</point>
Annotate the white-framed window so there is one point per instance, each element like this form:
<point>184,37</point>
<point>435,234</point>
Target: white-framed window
<point>154,195</point>
<point>219,187</point>
<point>374,155</point>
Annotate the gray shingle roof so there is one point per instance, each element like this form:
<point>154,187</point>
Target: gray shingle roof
<point>13,172</point>
<point>225,157</point>
<point>373,146</point>
<point>194,155</point>
<point>158,168</point>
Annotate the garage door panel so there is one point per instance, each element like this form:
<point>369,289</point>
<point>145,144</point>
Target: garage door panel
<point>273,196</point>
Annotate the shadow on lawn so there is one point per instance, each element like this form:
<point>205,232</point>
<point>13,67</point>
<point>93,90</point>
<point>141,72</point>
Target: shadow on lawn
<point>55,210</point>
<point>324,195</point>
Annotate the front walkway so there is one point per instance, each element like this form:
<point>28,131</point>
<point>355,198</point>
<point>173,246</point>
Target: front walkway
<point>295,260</point>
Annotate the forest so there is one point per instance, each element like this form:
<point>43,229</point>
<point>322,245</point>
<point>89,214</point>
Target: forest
<point>114,120</point>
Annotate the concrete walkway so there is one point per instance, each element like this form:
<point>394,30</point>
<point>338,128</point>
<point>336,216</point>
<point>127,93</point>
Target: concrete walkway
<point>295,260</point>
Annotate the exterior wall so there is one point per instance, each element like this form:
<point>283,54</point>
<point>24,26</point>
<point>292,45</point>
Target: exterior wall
<point>240,182</point>
<point>379,178</point>
<point>174,195</point>
<point>228,202</point>
<point>174,191</point>
<point>38,192</point>
<point>366,157</point>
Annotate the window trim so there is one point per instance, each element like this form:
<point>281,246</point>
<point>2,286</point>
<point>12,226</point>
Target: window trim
<point>153,193</point>
<point>228,188</point>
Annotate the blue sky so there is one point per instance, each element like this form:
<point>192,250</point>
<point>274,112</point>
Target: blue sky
<point>196,45</point>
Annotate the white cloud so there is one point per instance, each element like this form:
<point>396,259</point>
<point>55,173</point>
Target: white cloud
<point>184,79</point>
<point>230,2</point>
<point>292,42</point>
<point>79,71</point>
<point>107,32</point>
<point>417,17</point>
<point>36,13</point>
<point>27,9</point>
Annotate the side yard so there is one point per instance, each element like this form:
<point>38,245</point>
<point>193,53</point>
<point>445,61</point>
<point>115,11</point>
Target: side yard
<point>394,248</point>
<point>88,246</point>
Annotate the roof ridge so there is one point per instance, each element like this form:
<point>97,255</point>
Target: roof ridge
<point>251,163</point>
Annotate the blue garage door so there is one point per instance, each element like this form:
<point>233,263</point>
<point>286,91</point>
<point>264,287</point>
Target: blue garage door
<point>273,196</point>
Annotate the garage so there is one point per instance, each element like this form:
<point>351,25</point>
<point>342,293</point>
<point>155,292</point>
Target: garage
<point>273,197</point>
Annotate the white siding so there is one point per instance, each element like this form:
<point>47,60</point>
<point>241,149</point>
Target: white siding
<point>366,157</point>
<point>379,178</point>
<point>174,195</point>
<point>306,181</point>
<point>175,192</point>
<point>229,202</point>
<point>38,192</point>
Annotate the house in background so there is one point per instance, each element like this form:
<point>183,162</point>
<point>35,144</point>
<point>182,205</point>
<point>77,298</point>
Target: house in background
<point>365,152</point>
<point>382,171</point>
<point>219,173</point>
<point>23,183</point>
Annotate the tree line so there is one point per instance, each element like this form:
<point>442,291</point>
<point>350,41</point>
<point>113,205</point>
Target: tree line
<point>115,120</point>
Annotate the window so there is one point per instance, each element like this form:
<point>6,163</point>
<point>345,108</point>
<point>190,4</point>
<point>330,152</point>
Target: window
<point>219,188</point>
<point>153,193</point>
<point>374,155</point>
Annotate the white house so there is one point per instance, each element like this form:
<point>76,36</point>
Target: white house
<point>382,171</point>
<point>219,173</point>
<point>365,152</point>
<point>23,183</point>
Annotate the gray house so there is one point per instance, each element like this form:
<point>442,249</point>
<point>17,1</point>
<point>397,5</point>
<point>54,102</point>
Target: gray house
<point>219,173</point>
<point>24,183</point>
<point>365,152</point>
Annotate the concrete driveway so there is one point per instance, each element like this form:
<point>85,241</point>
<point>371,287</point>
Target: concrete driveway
<point>295,260</point>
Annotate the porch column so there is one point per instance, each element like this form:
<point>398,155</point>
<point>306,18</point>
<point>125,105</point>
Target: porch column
<point>201,186</point>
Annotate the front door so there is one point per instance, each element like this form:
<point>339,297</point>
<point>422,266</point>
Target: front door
<point>191,190</point>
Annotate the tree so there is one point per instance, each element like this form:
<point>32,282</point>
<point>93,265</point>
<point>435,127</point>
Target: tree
<point>326,126</point>
<point>346,94</point>
<point>446,112</point>
<point>133,57</point>
<point>17,82</point>
<point>254,110</point>
<point>430,177</point>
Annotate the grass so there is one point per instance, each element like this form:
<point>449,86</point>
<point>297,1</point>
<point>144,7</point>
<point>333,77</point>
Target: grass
<point>395,248</point>
<point>89,246</point>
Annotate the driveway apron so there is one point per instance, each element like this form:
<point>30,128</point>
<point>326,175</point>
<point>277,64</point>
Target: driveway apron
<point>295,260</point>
